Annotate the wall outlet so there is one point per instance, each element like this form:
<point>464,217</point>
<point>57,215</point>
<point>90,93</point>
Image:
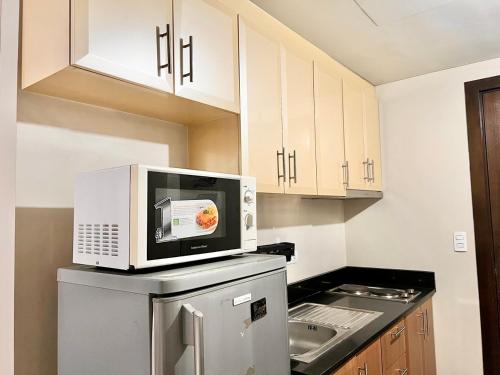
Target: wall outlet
<point>460,241</point>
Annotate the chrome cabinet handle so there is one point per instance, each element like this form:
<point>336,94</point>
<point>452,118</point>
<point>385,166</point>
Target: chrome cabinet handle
<point>363,370</point>
<point>345,169</point>
<point>366,170</point>
<point>294,157</point>
<point>182,48</point>
<point>193,335</point>
<point>422,330</point>
<point>398,332</point>
<point>403,371</point>
<point>159,36</point>
<point>372,164</point>
<point>282,154</point>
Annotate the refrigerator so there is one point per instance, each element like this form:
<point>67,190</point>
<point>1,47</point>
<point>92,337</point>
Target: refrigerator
<point>226,317</point>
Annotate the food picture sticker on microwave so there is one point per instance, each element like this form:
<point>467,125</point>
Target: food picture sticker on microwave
<point>192,218</point>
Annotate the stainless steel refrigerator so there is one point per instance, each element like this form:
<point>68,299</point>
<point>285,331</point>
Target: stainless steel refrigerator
<point>220,318</point>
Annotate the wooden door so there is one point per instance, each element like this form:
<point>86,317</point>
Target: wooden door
<point>369,360</point>
<point>261,126</point>
<point>125,39</point>
<point>415,331</point>
<point>429,346</point>
<point>329,124</point>
<point>299,138</point>
<point>354,135</point>
<point>372,139</point>
<point>206,53</point>
<point>398,367</point>
<point>483,128</point>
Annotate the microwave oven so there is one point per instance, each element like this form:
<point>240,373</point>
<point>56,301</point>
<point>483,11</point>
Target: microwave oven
<point>138,216</point>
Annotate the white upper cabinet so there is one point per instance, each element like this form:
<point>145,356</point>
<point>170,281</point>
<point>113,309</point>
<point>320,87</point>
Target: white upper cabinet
<point>126,39</point>
<point>298,123</point>
<point>261,125</point>
<point>331,169</point>
<point>372,139</point>
<point>206,53</point>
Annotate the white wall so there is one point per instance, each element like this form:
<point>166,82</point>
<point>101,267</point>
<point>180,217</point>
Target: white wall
<point>316,226</point>
<point>427,197</point>
<point>9,14</point>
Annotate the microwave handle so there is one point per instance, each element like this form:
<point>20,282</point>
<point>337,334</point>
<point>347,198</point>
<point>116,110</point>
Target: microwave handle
<point>193,335</point>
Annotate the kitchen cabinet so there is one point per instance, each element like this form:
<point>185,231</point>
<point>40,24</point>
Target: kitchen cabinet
<point>298,122</point>
<point>261,121</point>
<point>420,341</point>
<point>393,344</point>
<point>125,39</point>
<point>206,53</point>
<point>330,161</point>
<point>362,138</point>
<point>369,361</point>
<point>398,368</point>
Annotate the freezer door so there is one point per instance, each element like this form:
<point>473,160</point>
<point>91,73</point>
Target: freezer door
<point>238,329</point>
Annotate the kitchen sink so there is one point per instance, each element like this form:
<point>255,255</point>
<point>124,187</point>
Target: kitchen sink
<point>313,329</point>
<point>305,337</point>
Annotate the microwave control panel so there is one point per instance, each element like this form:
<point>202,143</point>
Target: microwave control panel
<point>249,213</point>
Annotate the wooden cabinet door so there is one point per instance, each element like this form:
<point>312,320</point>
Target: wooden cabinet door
<point>370,360</point>
<point>119,38</point>
<point>354,135</point>
<point>372,139</point>
<point>415,331</point>
<point>329,124</point>
<point>206,53</point>
<point>429,346</point>
<point>347,369</point>
<point>398,367</point>
<point>299,138</point>
<point>393,344</point>
<point>261,126</point>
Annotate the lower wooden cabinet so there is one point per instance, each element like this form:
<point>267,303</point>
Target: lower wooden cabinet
<point>407,348</point>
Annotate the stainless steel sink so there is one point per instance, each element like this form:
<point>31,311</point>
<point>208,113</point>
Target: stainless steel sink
<point>314,329</point>
<point>305,337</point>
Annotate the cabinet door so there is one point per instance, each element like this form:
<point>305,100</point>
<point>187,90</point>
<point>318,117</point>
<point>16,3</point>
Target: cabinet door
<point>393,344</point>
<point>415,331</point>
<point>370,360</point>
<point>126,39</point>
<point>206,53</point>
<point>354,135</point>
<point>298,123</point>
<point>347,369</point>
<point>429,347</point>
<point>260,63</point>
<point>398,367</point>
<point>329,124</point>
<point>372,139</point>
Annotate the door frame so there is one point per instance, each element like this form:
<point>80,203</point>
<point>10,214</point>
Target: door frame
<point>484,240</point>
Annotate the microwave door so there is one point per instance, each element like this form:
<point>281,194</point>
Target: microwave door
<point>163,219</point>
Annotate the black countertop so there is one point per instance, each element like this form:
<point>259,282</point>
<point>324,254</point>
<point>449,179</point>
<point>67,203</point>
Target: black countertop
<point>315,290</point>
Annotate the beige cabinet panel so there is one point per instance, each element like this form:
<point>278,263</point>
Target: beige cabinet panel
<point>119,38</point>
<point>261,125</point>
<point>329,125</point>
<point>354,135</point>
<point>298,123</point>
<point>372,139</point>
<point>206,53</point>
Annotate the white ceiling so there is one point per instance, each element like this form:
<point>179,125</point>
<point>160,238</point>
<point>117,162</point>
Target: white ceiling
<point>389,40</point>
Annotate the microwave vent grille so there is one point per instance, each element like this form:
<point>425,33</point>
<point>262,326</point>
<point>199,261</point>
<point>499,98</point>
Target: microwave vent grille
<point>98,239</point>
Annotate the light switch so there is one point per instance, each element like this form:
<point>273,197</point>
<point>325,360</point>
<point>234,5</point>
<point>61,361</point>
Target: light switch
<point>460,241</point>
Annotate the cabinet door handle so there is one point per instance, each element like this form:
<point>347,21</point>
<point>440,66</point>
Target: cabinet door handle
<point>422,330</point>
<point>159,36</point>
<point>366,170</point>
<point>403,371</point>
<point>282,154</point>
<point>345,167</point>
<point>398,333</point>
<point>371,166</point>
<point>182,48</point>
<point>294,157</point>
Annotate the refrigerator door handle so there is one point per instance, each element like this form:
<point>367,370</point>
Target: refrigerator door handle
<point>193,335</point>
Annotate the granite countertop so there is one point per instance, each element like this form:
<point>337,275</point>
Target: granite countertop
<point>315,290</point>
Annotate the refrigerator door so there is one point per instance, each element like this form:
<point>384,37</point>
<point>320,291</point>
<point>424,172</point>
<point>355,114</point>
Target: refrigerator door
<point>236,328</point>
